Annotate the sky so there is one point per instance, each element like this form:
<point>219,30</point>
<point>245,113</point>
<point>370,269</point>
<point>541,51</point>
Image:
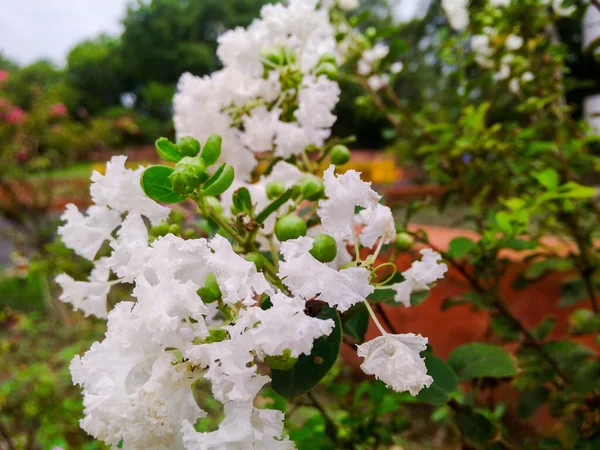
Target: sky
<point>34,29</point>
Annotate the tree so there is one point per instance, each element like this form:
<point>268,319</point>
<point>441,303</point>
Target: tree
<point>94,71</point>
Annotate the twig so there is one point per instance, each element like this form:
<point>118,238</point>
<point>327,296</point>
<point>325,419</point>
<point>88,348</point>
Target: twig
<point>331,428</point>
<point>6,436</point>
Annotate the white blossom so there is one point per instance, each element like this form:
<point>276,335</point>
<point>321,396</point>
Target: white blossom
<point>379,223</point>
<point>87,296</point>
<point>514,42</point>
<point>420,276</point>
<point>344,193</point>
<point>85,234</point>
<point>120,189</point>
<point>395,359</point>
<point>457,12</point>
<point>378,82</point>
<point>309,278</point>
<point>397,67</point>
<point>244,428</point>
<point>348,5</point>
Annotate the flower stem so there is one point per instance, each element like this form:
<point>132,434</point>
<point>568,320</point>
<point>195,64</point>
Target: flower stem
<point>374,317</point>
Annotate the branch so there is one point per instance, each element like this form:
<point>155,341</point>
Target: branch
<point>331,428</point>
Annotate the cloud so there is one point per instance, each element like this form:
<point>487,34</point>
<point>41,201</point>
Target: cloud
<point>34,29</point>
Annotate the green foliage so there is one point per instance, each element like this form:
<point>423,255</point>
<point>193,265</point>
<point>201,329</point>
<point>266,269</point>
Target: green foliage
<point>309,370</point>
<point>479,360</point>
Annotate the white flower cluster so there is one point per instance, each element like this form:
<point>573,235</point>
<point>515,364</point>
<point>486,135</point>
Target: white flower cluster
<point>457,12</point>
<point>137,382</point>
<point>268,96</point>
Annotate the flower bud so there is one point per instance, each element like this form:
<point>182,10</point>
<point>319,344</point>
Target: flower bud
<point>281,362</point>
<point>275,189</point>
<point>188,146</point>
<point>340,154</point>
<point>324,248</point>
<point>312,188</point>
<point>257,259</point>
<point>328,69</point>
<point>404,241</point>
<point>174,228</point>
<point>189,173</point>
<point>160,230</point>
<point>275,57</point>
<point>212,150</point>
<point>290,227</point>
<point>328,57</point>
<point>210,292</point>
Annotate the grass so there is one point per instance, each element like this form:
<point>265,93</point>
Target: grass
<point>81,170</point>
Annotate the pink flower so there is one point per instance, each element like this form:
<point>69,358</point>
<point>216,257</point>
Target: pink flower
<point>3,75</point>
<point>15,116</point>
<point>58,110</point>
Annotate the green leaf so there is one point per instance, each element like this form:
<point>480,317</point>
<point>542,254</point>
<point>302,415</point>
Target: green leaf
<point>310,369</point>
<point>475,427</point>
<point>576,190</point>
<point>220,181</point>
<point>242,200</point>
<point>503,221</point>
<point>530,400</point>
<point>274,206</point>
<point>574,291</point>
<point>167,150</point>
<point>479,360</point>
<point>505,327</point>
<point>460,247</point>
<point>156,185</point>
<point>355,322</point>
<point>544,328</point>
<point>444,383</point>
<point>548,178</point>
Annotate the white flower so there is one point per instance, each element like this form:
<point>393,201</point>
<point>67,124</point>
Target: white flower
<point>527,77</point>
<point>259,128</point>
<point>420,276</point>
<point>504,73</point>
<point>243,428</point>
<point>395,359</point>
<point>376,53</point>
<point>396,67</point>
<point>86,234</point>
<point>237,278</point>
<point>291,140</point>
<point>132,392</point>
<point>317,98</point>
<point>377,82</point>
<point>284,326</point>
<point>379,223</point>
<point>514,42</point>
<point>344,193</point>
<point>231,368</point>
<point>457,12</point>
<point>500,2</point>
<point>130,250</point>
<point>514,86</point>
<point>348,5</point>
<point>120,190</point>
<point>309,278</point>
<point>87,296</point>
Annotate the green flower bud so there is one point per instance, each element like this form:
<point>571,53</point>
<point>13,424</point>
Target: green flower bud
<point>371,32</point>
<point>281,362</point>
<point>188,146</point>
<point>312,188</point>
<point>212,150</point>
<point>328,69</point>
<point>404,241</point>
<point>176,216</point>
<point>189,233</point>
<point>276,57</point>
<point>189,173</point>
<point>210,292</point>
<point>275,189</point>
<point>290,227</point>
<point>328,57</point>
<point>324,248</point>
<point>340,154</point>
<point>174,228</point>
<point>214,203</point>
<point>257,259</point>
<point>160,230</point>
